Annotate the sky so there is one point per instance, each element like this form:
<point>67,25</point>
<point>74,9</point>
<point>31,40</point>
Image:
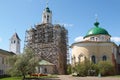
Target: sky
<point>78,16</point>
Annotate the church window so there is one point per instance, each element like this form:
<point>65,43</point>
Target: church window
<point>74,59</point>
<point>1,72</point>
<point>2,60</point>
<point>47,16</point>
<point>102,37</point>
<point>93,58</point>
<point>14,41</point>
<point>79,57</point>
<point>104,58</point>
<point>92,38</point>
<point>109,39</point>
<point>96,39</point>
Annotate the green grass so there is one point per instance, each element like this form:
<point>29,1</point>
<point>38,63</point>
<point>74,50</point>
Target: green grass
<point>20,78</point>
<point>49,76</point>
<point>12,78</point>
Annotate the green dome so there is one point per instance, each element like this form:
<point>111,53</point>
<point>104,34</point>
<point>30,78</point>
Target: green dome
<point>47,9</point>
<point>96,31</point>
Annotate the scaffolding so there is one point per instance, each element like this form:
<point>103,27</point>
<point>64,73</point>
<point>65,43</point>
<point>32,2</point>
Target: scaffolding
<point>50,42</point>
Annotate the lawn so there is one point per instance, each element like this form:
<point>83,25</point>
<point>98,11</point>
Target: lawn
<point>12,78</point>
<point>20,78</point>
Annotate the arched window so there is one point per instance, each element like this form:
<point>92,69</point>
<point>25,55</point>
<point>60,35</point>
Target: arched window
<point>73,59</point>
<point>79,57</point>
<point>104,58</point>
<point>47,17</point>
<point>92,38</point>
<point>102,37</point>
<point>93,58</point>
<point>14,41</point>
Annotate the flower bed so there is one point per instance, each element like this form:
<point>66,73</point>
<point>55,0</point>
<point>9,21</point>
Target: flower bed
<point>38,74</point>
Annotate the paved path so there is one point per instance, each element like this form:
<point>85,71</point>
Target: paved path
<point>69,77</point>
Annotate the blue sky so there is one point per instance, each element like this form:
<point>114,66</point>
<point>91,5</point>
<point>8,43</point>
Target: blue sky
<point>78,16</point>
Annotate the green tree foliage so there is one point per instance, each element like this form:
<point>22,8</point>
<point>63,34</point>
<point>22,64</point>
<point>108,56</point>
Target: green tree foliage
<point>23,64</point>
<point>86,68</point>
<point>69,69</point>
<point>106,68</point>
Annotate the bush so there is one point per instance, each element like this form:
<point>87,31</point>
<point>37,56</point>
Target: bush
<point>106,68</point>
<point>69,69</point>
<point>86,68</point>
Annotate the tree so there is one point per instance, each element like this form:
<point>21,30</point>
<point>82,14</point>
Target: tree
<point>86,68</point>
<point>69,69</point>
<point>106,68</point>
<point>23,64</point>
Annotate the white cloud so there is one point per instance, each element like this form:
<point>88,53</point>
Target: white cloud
<point>80,38</point>
<point>66,24</point>
<point>115,39</point>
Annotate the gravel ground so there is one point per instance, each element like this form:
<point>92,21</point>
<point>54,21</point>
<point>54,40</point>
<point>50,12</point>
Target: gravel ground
<point>69,77</point>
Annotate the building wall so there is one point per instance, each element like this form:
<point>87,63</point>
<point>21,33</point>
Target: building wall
<point>46,69</point>
<point>4,66</point>
<point>88,49</point>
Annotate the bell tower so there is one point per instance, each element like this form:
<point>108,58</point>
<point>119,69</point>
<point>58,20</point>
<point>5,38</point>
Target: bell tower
<point>15,44</point>
<point>47,15</point>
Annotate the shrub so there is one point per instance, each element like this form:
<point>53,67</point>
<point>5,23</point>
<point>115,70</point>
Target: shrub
<point>86,68</point>
<point>69,69</point>
<point>106,68</point>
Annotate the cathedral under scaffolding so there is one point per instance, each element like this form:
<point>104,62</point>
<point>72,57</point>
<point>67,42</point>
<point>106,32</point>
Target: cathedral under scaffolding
<point>50,42</point>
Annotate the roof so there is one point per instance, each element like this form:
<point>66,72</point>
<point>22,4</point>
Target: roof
<point>15,36</point>
<point>47,9</point>
<point>6,52</point>
<point>85,42</point>
<point>44,62</point>
<point>96,31</point>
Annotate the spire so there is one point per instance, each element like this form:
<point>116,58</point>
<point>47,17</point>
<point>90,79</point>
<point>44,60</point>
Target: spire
<point>15,36</point>
<point>47,1</point>
<point>96,18</point>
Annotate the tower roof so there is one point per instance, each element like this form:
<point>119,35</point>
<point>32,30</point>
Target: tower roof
<point>96,30</point>
<point>47,9</point>
<point>15,36</point>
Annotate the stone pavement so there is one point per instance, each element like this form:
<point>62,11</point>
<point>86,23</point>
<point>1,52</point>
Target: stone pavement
<point>69,77</point>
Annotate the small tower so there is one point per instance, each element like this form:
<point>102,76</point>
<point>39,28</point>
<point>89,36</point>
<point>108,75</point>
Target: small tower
<point>47,15</point>
<point>15,44</point>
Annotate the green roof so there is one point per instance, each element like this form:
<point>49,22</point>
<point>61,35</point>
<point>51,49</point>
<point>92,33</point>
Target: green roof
<point>44,62</point>
<point>96,31</point>
<point>47,9</point>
